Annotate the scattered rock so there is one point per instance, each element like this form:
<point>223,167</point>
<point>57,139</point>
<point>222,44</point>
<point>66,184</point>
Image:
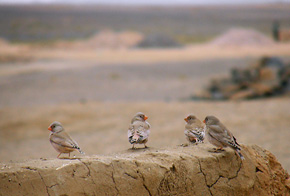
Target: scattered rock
<point>284,35</point>
<point>178,171</point>
<point>268,77</point>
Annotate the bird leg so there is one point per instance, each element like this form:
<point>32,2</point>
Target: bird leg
<point>145,146</point>
<point>133,147</point>
<point>69,154</point>
<point>218,149</point>
<point>239,155</point>
<point>185,145</point>
<point>58,155</point>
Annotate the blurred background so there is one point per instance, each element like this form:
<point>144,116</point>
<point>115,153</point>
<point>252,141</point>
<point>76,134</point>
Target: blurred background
<point>93,64</point>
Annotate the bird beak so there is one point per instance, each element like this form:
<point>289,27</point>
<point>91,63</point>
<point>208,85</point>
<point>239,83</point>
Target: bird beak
<point>203,121</point>
<point>186,119</point>
<point>145,117</point>
<point>49,128</point>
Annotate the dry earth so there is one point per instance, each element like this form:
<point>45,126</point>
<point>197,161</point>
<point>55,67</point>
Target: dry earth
<point>190,170</point>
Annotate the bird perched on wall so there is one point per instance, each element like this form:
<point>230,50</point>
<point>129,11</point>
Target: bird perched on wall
<point>60,140</point>
<point>139,130</point>
<point>218,135</point>
<point>194,129</point>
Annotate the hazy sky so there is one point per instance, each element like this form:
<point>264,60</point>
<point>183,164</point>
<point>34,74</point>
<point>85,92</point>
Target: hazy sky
<point>152,2</point>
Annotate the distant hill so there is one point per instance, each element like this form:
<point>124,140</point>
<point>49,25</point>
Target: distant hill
<point>187,23</point>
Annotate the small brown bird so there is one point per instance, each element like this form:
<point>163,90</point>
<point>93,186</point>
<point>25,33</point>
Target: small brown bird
<point>60,140</point>
<point>194,129</point>
<point>220,136</point>
<point>139,130</point>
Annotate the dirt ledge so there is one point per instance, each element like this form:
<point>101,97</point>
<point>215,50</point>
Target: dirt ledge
<point>176,171</point>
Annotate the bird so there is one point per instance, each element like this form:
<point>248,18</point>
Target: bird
<point>60,140</point>
<point>194,129</point>
<point>219,136</point>
<point>139,130</point>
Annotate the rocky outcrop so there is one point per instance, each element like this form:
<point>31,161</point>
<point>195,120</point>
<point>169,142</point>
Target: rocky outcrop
<point>190,170</point>
<point>269,76</point>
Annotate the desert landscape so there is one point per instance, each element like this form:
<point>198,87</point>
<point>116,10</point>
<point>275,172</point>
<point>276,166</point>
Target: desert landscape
<point>60,63</point>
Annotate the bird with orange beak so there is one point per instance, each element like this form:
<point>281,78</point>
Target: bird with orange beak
<point>219,136</point>
<point>194,129</point>
<point>60,140</point>
<point>139,130</point>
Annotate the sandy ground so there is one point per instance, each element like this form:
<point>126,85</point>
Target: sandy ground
<point>135,56</point>
<point>189,53</point>
<point>96,96</point>
<point>54,82</point>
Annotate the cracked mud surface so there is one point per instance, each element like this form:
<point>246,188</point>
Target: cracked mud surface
<point>175,171</point>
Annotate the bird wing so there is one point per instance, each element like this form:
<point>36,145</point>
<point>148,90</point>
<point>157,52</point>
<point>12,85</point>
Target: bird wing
<point>143,133</point>
<point>236,141</point>
<point>195,133</point>
<point>223,135</point>
<point>131,131</point>
<point>64,140</point>
<point>219,133</point>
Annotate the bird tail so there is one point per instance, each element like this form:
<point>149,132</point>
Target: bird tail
<point>236,141</point>
<point>80,150</point>
<point>240,154</point>
<point>135,138</point>
<point>131,140</point>
<point>201,137</point>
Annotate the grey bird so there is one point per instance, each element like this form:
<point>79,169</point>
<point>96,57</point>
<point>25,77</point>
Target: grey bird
<point>219,136</point>
<point>194,129</point>
<point>61,141</point>
<point>139,130</point>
